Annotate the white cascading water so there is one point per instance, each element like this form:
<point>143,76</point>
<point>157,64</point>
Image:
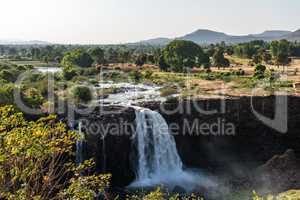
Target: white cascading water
<point>158,159</point>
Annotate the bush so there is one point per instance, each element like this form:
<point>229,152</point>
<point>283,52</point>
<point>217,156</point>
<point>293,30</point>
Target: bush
<point>36,161</point>
<point>79,79</point>
<point>32,98</point>
<point>90,71</point>
<point>259,72</point>
<point>168,91</point>
<point>6,94</point>
<point>148,74</point>
<point>7,75</point>
<point>82,94</point>
<point>69,73</point>
<point>135,75</point>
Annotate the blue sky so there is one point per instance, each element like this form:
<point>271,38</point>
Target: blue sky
<point>119,21</point>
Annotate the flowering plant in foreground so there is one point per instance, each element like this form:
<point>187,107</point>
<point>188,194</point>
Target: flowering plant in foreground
<point>36,160</point>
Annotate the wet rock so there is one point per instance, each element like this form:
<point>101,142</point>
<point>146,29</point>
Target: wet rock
<point>280,173</point>
<point>179,190</point>
<point>201,191</point>
<point>103,96</point>
<point>253,144</point>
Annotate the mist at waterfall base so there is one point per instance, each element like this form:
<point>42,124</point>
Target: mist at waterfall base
<point>158,162</point>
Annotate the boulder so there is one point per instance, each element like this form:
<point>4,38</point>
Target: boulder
<point>280,173</point>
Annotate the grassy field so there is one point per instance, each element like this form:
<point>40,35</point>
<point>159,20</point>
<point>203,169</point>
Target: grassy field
<point>33,63</point>
<point>221,82</point>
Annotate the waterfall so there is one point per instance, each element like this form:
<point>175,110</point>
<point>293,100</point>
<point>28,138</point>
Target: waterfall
<point>158,159</point>
<point>79,145</point>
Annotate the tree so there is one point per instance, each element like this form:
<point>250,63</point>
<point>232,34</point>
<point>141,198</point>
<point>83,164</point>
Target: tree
<point>280,52</point>
<point>82,94</point>
<point>35,53</point>
<point>163,66</point>
<point>77,57</point>
<point>181,54</point>
<point>259,72</point>
<point>124,56</point>
<point>282,59</point>
<point>97,55</point>
<point>267,57</point>
<point>219,60</point>
<point>112,56</point>
<point>69,73</point>
<point>36,160</point>
<point>140,60</point>
<point>256,58</point>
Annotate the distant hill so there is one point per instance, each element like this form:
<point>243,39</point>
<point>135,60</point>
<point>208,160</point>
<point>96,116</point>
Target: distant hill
<point>272,34</point>
<point>156,41</point>
<point>22,42</point>
<point>294,36</point>
<point>204,36</point>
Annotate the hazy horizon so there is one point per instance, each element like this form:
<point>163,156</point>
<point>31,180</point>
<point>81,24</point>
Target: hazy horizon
<point>117,21</point>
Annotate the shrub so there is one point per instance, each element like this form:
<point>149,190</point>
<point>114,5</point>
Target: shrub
<point>69,73</point>
<point>148,74</point>
<point>82,94</point>
<point>6,94</point>
<point>135,75</point>
<point>259,72</point>
<point>32,98</point>
<point>7,75</point>
<point>36,160</point>
<point>168,91</point>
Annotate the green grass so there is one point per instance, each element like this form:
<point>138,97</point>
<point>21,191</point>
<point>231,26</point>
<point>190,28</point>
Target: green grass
<point>26,62</point>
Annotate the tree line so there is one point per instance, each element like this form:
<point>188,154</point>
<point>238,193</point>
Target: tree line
<point>177,56</point>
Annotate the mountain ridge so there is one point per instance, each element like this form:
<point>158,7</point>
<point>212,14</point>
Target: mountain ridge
<point>24,42</point>
<point>206,36</point>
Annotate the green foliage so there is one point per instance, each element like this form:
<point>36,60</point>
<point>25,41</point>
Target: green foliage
<point>32,97</point>
<point>148,74</point>
<point>78,57</point>
<point>140,60</point>
<point>248,50</point>
<point>85,187</point>
<point>135,75</point>
<point>7,75</point>
<point>81,94</point>
<point>259,72</point>
<point>30,152</point>
<point>97,55</point>
<point>219,60</point>
<point>69,72</point>
<point>159,194</point>
<point>266,57</point>
<point>36,161</point>
<point>163,66</point>
<point>256,59</point>
<point>6,94</point>
<point>181,55</point>
<point>280,52</point>
<point>167,91</point>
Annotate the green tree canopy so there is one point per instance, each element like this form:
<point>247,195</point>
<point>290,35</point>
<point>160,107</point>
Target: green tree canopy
<point>280,52</point>
<point>219,60</point>
<point>97,55</point>
<point>181,54</point>
<point>78,57</point>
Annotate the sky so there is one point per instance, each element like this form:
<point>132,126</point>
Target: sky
<point>122,21</point>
